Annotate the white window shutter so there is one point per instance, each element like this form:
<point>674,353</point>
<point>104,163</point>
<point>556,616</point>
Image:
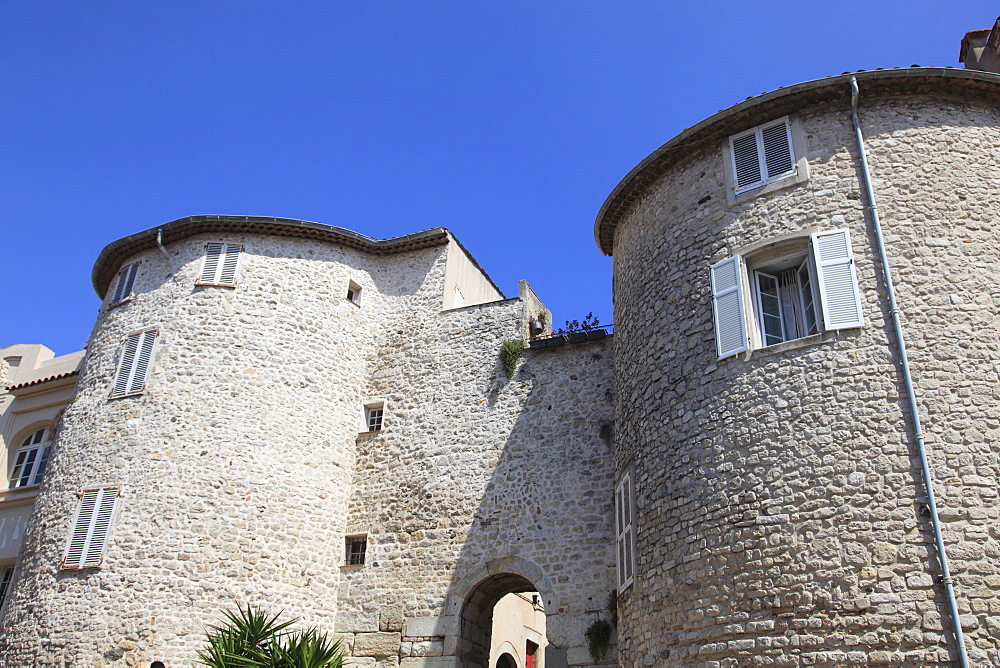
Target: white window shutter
<point>91,529</point>
<point>728,307</point>
<point>221,263</point>
<point>123,288</point>
<point>776,141</point>
<point>747,171</point>
<point>840,298</point>
<point>133,368</point>
<point>624,528</point>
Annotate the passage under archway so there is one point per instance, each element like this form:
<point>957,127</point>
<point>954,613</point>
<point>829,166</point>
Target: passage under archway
<point>519,622</point>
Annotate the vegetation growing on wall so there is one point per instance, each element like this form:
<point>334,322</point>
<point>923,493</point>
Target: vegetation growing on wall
<point>510,355</point>
<point>599,639</point>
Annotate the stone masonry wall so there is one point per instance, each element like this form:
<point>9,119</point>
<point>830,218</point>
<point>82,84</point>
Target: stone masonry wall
<point>235,463</point>
<point>781,516</point>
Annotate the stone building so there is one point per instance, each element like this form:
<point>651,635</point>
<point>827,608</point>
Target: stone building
<point>298,416</point>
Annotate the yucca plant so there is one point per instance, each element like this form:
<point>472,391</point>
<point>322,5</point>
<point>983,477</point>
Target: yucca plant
<point>251,638</point>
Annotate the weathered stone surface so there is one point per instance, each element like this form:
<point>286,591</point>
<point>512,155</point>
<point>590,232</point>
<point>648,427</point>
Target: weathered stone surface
<point>379,644</point>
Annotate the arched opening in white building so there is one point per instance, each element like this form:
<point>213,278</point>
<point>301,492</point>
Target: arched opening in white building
<point>503,624</point>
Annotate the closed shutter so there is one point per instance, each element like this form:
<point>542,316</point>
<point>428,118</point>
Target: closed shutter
<point>133,368</point>
<point>126,277</point>
<point>762,155</point>
<point>624,531</point>
<point>777,143</point>
<point>840,299</point>
<point>91,528</point>
<point>221,263</point>
<point>746,161</point>
<point>728,307</point>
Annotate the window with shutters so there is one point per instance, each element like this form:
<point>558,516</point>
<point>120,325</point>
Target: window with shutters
<point>30,459</point>
<point>123,286</point>
<point>625,531</point>
<point>786,291</point>
<point>765,158</point>
<point>133,367</point>
<point>91,528</point>
<point>354,550</point>
<point>221,264</point>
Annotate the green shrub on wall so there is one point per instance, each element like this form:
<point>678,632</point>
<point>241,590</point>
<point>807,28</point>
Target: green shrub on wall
<point>510,355</point>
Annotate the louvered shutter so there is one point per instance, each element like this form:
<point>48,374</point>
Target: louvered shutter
<point>91,528</point>
<point>221,263</point>
<point>777,144</point>
<point>746,161</point>
<point>728,307</point>
<point>839,296</point>
<point>624,531</point>
<point>133,368</point>
<point>126,277</point>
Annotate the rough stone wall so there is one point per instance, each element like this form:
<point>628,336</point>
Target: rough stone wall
<point>781,515</point>
<point>473,474</point>
<point>235,463</point>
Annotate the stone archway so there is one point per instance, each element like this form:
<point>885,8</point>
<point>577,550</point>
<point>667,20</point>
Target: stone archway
<point>476,621</point>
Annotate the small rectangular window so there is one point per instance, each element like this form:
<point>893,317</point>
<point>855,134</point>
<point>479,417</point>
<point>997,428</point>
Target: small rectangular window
<point>374,418</point>
<point>221,264</point>
<point>762,155</point>
<point>123,287</point>
<point>133,367</point>
<point>91,528</point>
<point>354,293</point>
<point>355,548</point>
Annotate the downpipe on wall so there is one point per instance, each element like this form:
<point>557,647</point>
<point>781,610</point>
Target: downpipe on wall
<point>946,579</point>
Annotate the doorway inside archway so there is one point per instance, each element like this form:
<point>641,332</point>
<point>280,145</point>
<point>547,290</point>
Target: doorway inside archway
<point>502,624</point>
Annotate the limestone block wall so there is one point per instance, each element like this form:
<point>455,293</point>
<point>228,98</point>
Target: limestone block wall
<point>780,514</point>
<point>473,476</point>
<point>236,462</point>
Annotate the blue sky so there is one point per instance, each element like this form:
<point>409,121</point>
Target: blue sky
<point>506,122</point>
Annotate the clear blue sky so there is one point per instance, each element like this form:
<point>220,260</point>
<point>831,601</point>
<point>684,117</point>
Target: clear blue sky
<point>506,122</point>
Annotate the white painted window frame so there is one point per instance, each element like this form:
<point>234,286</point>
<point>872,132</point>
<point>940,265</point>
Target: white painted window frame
<point>35,465</point>
<point>134,363</point>
<point>837,299</point>
<point>221,264</point>
<point>354,293</point>
<point>91,530</point>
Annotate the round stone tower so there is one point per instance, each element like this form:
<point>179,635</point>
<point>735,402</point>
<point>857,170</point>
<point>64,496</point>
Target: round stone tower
<point>779,514</point>
<point>212,433</point>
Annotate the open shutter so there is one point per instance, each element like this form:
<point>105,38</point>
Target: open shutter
<point>728,307</point>
<point>126,277</point>
<point>133,368</point>
<point>91,528</point>
<point>840,299</point>
<point>221,262</point>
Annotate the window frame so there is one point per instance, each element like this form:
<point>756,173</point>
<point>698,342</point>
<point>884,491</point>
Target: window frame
<point>91,529</point>
<point>217,263</point>
<point>368,407</point>
<point>6,583</point>
<point>134,364</point>
<point>351,557</point>
<point>760,145</point>
<point>798,173</point>
<point>123,286</point>
<point>35,474</point>
<point>354,293</point>
<point>837,302</point>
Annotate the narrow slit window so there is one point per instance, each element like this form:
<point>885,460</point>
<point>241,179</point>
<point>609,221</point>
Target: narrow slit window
<point>354,293</point>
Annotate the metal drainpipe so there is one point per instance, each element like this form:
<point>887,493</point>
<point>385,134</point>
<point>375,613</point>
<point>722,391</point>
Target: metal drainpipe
<point>159,242</point>
<point>949,589</point>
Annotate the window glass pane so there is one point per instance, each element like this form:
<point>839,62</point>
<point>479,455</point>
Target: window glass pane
<point>770,309</point>
<point>808,307</point>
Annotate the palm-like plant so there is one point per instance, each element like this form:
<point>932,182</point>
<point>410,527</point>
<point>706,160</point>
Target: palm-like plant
<point>251,638</point>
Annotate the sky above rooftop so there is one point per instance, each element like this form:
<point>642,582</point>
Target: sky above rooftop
<point>508,123</point>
